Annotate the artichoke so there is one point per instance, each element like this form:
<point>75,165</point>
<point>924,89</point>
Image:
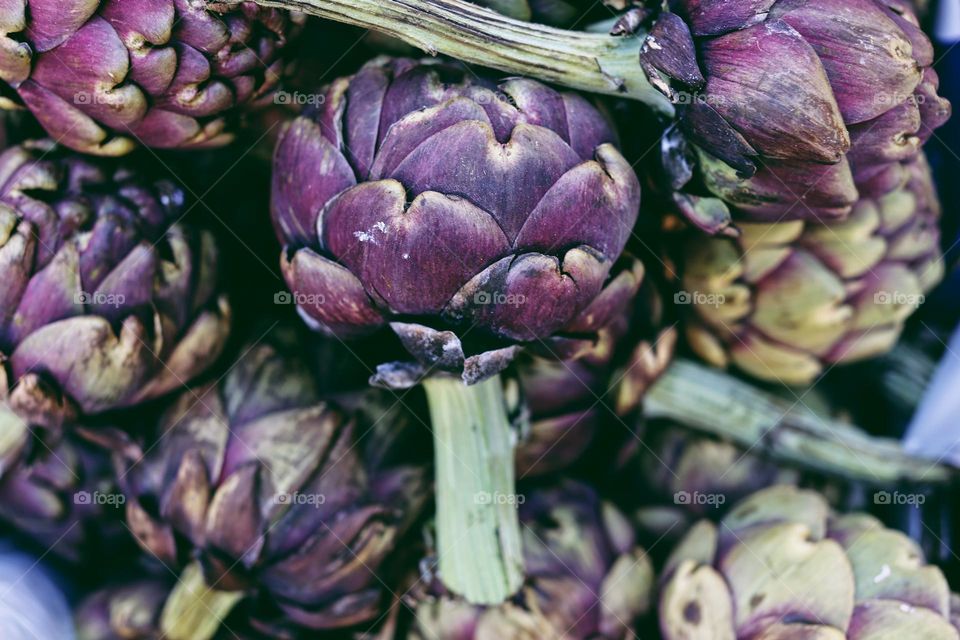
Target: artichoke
<point>62,496</point>
<point>678,466</point>
<point>781,565</point>
<point>785,300</point>
<point>511,242</point>
<point>104,75</point>
<point>586,578</point>
<point>797,109</point>
<point>129,611</point>
<point>106,301</point>
<point>681,476</point>
<point>276,497</point>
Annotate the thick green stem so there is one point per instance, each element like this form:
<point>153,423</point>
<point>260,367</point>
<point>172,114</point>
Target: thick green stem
<point>478,528</point>
<point>592,62</point>
<point>713,402</point>
<point>195,611</point>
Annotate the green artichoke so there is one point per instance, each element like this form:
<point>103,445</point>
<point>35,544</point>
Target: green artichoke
<point>102,76</point>
<point>783,301</point>
<point>782,565</point>
<point>586,578</point>
<point>284,502</point>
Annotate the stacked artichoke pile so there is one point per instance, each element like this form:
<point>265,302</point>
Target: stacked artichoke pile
<point>301,339</point>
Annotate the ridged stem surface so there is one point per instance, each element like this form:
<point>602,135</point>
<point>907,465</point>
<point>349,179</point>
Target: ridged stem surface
<point>592,62</point>
<point>713,402</point>
<point>478,528</point>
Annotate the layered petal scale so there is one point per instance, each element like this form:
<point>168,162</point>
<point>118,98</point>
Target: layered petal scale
<point>803,106</point>
<point>586,577</point>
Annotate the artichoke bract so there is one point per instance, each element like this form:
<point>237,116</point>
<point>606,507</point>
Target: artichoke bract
<point>511,241</point>
<point>106,300</point>
<point>782,565</point>
<point>586,577</point>
<point>797,108</point>
<point>569,403</point>
<point>784,301</point>
<point>102,76</point>
<point>273,495</point>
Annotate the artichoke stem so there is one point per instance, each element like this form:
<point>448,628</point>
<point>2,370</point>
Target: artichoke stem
<point>478,527</point>
<point>193,610</point>
<point>784,430</point>
<point>597,63</point>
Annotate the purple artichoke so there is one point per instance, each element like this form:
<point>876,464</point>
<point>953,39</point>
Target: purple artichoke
<point>785,301</point>
<point>797,109</point>
<point>62,495</point>
<point>105,300</point>
<point>468,216</point>
<point>275,497</point>
<point>586,578</point>
<point>103,75</point>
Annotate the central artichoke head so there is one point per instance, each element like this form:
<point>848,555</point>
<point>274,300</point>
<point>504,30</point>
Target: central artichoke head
<point>468,216</point>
